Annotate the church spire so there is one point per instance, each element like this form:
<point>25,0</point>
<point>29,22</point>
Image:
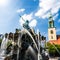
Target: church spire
<point>51,21</point>
<point>51,28</point>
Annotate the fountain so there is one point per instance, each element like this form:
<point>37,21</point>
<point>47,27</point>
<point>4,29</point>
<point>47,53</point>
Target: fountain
<point>25,30</point>
<point>19,44</point>
<point>30,50</point>
<point>4,43</point>
<point>3,47</point>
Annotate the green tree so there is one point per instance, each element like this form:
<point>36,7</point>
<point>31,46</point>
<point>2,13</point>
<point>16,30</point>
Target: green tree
<point>0,41</point>
<point>52,48</point>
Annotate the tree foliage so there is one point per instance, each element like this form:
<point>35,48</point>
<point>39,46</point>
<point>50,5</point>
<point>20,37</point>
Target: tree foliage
<point>52,48</point>
<point>0,41</point>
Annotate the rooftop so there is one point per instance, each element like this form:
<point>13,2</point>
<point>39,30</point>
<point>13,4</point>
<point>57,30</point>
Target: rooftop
<point>55,41</point>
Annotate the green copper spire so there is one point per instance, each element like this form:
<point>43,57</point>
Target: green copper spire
<point>51,21</point>
<point>26,24</point>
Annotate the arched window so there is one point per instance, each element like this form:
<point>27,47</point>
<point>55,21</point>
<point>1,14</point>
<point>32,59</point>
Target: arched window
<point>51,31</point>
<point>51,37</point>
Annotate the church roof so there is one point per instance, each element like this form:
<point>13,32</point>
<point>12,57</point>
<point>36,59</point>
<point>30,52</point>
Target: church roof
<point>58,36</point>
<point>55,41</point>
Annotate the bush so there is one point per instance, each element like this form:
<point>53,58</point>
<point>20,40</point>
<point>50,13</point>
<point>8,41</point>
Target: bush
<point>52,48</point>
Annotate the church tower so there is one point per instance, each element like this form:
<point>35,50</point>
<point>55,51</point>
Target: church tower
<point>51,29</point>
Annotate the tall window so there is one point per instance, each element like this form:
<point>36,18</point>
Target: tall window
<point>51,37</point>
<point>51,31</point>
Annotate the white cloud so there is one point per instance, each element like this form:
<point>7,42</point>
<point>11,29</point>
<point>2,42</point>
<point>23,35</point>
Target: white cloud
<point>55,8</point>
<point>47,5</point>
<point>30,18</point>
<point>59,21</point>
<point>45,15</point>
<point>20,10</point>
<point>33,23</point>
<point>55,16</point>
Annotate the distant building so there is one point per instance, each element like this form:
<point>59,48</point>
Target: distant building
<point>58,36</point>
<point>52,37</point>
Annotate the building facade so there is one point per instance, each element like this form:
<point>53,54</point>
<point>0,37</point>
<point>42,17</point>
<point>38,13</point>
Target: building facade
<point>51,29</point>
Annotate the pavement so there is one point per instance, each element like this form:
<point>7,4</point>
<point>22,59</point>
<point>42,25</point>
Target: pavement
<point>55,58</point>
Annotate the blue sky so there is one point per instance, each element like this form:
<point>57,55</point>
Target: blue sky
<point>36,11</point>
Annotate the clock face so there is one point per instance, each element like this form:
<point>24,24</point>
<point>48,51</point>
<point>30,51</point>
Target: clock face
<point>51,31</point>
